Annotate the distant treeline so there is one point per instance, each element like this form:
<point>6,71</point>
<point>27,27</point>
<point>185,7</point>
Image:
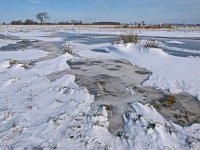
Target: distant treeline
<point>31,22</point>
<point>106,23</point>
<point>75,22</point>
<point>72,22</point>
<point>26,22</point>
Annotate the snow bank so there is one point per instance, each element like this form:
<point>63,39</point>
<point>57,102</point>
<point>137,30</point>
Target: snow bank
<point>5,42</point>
<point>180,49</point>
<point>22,55</point>
<point>147,129</point>
<point>177,74</point>
<point>38,113</point>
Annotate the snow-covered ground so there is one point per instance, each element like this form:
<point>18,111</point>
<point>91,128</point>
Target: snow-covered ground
<point>5,42</point>
<point>94,29</point>
<point>180,49</point>
<point>36,112</point>
<point>35,35</point>
<point>29,54</point>
<point>175,42</point>
<point>177,74</point>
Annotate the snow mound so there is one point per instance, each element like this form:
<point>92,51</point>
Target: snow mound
<point>22,55</point>
<point>178,74</point>
<point>147,129</point>
<point>39,113</point>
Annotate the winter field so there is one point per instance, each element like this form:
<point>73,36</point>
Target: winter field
<point>72,87</point>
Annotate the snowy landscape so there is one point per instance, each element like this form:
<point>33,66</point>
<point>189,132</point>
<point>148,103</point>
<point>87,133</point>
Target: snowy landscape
<point>70,87</point>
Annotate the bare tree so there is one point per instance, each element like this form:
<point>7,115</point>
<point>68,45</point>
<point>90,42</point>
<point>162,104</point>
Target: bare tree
<point>42,16</point>
<point>143,23</point>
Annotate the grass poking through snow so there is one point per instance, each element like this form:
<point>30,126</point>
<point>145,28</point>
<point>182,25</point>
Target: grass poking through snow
<point>151,44</point>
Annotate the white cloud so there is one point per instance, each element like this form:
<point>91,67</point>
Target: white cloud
<point>34,1</point>
<point>31,8</point>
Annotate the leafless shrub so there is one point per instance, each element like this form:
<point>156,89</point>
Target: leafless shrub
<point>68,48</point>
<point>130,38</point>
<point>151,44</point>
<point>12,62</point>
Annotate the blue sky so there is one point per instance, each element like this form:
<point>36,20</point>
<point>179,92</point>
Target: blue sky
<point>126,11</point>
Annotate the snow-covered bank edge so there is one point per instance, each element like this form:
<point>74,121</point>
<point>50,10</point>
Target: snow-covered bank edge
<point>149,130</point>
<point>39,113</point>
<point>5,42</point>
<point>28,54</point>
<point>176,74</point>
<point>173,73</point>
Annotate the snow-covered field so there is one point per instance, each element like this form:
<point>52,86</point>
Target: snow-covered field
<point>94,29</point>
<point>36,112</point>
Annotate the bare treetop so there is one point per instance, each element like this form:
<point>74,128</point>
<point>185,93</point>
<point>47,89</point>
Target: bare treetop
<point>42,16</point>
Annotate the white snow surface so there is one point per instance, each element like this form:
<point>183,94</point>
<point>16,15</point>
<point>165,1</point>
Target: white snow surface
<point>177,32</point>
<point>38,113</point>
<point>35,112</point>
<point>35,35</point>
<point>22,55</point>
<point>180,49</point>
<point>178,74</point>
<point>147,129</point>
<point>5,42</point>
<point>140,32</point>
<point>175,42</point>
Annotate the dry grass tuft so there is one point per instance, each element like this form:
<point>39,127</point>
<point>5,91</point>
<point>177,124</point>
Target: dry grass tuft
<point>165,102</point>
<point>169,101</point>
<point>130,38</point>
<point>13,62</point>
<point>68,48</point>
<point>151,44</point>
